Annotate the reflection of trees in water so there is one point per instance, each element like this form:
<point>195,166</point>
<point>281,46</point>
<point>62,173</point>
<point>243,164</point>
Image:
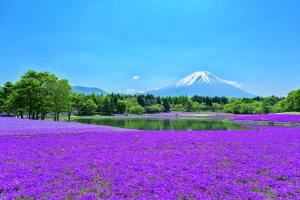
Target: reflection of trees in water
<point>165,124</point>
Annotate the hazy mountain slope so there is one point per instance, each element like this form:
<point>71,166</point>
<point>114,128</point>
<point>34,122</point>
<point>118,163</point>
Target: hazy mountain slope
<point>88,90</point>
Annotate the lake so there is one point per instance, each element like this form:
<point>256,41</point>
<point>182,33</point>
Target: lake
<point>171,123</point>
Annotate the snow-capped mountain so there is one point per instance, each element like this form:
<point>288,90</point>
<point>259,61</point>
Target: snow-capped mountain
<point>202,83</point>
<point>203,77</point>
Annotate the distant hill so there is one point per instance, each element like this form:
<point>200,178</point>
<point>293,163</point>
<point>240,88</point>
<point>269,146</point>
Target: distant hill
<point>202,83</point>
<point>88,90</point>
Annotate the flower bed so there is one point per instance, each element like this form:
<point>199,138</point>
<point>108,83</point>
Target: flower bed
<point>105,163</point>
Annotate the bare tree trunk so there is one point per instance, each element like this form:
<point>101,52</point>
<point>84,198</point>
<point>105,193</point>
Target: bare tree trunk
<point>69,116</point>
<point>43,116</point>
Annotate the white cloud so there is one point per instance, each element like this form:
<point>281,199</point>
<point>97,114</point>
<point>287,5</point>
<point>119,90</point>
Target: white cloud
<point>233,83</point>
<point>154,89</point>
<point>130,91</point>
<point>135,77</point>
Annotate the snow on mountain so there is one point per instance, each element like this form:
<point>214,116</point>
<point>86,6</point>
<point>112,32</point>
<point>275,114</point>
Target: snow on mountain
<point>203,83</point>
<point>204,77</point>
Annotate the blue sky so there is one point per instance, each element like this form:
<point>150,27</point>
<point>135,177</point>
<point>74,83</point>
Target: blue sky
<point>120,45</point>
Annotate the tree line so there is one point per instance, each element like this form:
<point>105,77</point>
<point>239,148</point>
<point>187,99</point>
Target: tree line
<point>37,95</point>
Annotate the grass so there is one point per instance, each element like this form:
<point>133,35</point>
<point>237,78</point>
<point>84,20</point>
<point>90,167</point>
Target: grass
<point>293,113</point>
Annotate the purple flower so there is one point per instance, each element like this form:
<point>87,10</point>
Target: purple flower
<point>56,160</point>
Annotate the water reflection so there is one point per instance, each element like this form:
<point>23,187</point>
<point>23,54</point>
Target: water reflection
<point>177,123</point>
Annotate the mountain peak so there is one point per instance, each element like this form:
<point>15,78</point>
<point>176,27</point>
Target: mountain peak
<point>203,83</point>
<point>200,77</point>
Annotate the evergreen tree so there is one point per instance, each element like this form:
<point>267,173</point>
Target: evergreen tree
<point>189,106</point>
<point>166,105</point>
<point>107,106</point>
<point>141,100</point>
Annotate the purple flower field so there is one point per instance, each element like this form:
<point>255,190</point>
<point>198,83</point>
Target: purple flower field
<point>14,126</point>
<point>56,160</point>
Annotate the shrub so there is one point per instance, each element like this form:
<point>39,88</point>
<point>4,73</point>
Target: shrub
<point>136,110</point>
<point>154,109</point>
<point>121,107</point>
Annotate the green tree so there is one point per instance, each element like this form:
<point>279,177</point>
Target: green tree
<point>83,105</point>
<point>72,105</point>
<point>154,108</point>
<point>234,106</point>
<point>60,97</point>
<point>107,106</point>
<point>217,107</point>
<point>14,105</point>
<point>121,107</point>
<point>266,107</point>
<point>293,101</point>
<point>78,103</point>
<point>89,107</point>
<point>32,93</point>
<point>5,92</point>
<point>141,100</point>
<point>246,108</point>
<point>177,107</point>
<point>281,106</point>
<point>27,88</point>
<point>166,105</point>
<point>130,102</point>
<point>257,107</point>
<point>199,107</point>
<point>188,106</point>
<point>136,110</point>
<point>45,104</point>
